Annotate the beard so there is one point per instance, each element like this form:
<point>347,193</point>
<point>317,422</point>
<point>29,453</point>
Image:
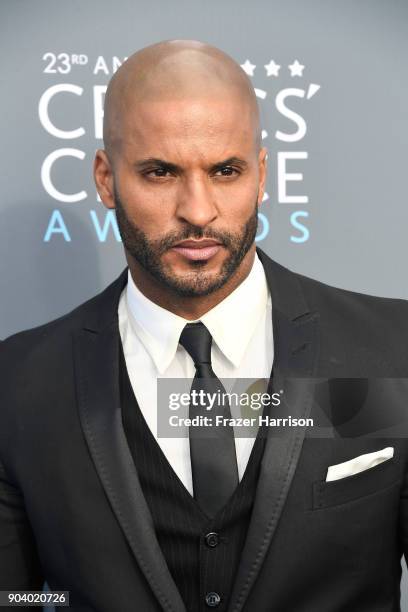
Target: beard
<point>198,282</point>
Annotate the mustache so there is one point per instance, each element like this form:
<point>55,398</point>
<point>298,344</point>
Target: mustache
<point>193,232</point>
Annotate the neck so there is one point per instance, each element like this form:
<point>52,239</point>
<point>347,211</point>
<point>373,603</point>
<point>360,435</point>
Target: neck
<point>189,308</point>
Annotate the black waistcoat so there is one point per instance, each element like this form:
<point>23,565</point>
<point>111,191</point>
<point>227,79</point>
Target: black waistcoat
<point>202,554</point>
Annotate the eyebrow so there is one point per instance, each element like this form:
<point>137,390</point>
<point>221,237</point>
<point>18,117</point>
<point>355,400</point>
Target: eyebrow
<point>143,164</point>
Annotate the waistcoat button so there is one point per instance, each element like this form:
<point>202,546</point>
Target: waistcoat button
<point>212,539</point>
<point>212,599</point>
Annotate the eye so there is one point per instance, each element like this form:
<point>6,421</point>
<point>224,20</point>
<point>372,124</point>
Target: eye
<point>158,172</point>
<point>227,171</point>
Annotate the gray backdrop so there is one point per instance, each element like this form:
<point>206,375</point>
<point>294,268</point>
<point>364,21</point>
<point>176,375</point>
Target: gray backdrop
<point>339,125</point>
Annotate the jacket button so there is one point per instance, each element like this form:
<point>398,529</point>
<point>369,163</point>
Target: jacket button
<point>212,539</point>
<point>212,599</point>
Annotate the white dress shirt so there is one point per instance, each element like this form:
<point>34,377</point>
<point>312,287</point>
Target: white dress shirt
<point>242,347</point>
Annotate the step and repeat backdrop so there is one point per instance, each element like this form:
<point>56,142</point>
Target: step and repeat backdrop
<point>330,79</point>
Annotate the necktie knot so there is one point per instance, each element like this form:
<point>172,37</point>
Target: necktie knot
<point>197,340</point>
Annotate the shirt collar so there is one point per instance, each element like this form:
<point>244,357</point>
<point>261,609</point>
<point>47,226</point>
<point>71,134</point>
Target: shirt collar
<point>231,323</point>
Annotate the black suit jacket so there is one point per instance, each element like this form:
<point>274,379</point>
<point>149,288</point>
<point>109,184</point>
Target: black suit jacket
<point>71,507</point>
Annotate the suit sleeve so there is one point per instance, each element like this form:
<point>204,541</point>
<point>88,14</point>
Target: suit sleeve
<point>403,516</point>
<point>20,568</point>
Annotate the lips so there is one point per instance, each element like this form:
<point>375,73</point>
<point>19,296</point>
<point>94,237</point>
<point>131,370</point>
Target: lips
<point>197,249</point>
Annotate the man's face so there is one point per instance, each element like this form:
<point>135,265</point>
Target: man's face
<point>187,184</point>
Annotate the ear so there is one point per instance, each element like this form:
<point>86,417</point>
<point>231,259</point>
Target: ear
<point>262,157</point>
<point>103,177</point>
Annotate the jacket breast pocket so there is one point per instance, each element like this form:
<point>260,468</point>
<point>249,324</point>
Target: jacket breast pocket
<point>365,483</point>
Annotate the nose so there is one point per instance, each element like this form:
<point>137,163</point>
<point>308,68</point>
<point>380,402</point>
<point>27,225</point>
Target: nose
<point>196,202</point>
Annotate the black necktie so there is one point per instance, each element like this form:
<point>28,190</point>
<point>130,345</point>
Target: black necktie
<point>212,449</point>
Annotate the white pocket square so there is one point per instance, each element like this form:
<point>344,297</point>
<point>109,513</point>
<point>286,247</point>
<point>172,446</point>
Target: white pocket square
<point>359,464</point>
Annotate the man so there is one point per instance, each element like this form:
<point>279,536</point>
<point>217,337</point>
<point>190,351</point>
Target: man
<point>91,499</point>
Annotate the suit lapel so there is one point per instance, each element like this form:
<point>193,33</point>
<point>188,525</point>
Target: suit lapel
<point>96,346</point>
<point>96,356</point>
<point>295,333</point>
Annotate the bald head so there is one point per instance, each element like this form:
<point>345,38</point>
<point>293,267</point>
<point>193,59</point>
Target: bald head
<point>176,70</point>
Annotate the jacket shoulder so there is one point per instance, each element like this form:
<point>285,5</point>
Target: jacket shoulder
<point>99,306</point>
<point>360,335</point>
<point>322,296</point>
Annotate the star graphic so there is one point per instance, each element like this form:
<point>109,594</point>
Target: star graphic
<point>296,69</point>
<point>272,69</point>
<point>248,67</point>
